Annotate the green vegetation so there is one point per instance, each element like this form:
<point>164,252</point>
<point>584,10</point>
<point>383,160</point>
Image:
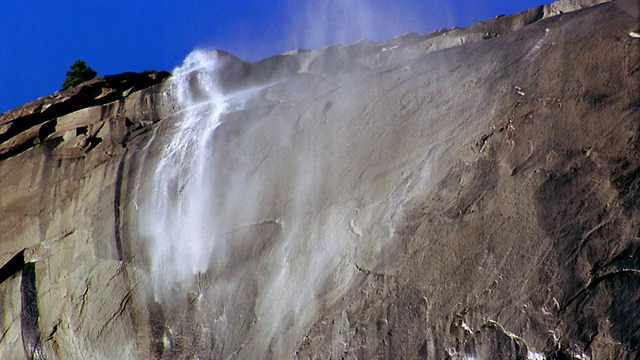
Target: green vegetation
<point>78,74</point>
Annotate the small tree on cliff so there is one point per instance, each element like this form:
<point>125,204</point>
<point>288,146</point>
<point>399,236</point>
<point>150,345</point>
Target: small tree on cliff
<point>78,74</point>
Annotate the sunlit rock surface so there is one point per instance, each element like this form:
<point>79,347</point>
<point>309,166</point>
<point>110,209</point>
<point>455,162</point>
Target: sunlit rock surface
<point>472,193</point>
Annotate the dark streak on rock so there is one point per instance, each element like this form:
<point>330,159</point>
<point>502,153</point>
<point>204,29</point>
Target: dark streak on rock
<point>116,209</point>
<point>29,313</point>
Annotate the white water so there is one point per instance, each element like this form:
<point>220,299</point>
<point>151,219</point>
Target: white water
<point>175,217</point>
<point>259,226</point>
<point>187,210</point>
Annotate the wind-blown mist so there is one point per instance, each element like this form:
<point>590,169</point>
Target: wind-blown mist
<point>343,22</point>
<point>257,242</point>
<point>266,205</point>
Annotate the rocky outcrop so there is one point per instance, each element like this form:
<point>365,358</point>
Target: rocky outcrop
<point>475,198</point>
<point>37,121</point>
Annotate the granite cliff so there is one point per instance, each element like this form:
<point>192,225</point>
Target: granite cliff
<point>470,193</point>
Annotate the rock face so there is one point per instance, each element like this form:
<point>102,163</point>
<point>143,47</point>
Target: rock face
<point>472,193</point>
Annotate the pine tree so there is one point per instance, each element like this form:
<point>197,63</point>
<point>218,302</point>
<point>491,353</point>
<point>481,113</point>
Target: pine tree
<point>78,74</point>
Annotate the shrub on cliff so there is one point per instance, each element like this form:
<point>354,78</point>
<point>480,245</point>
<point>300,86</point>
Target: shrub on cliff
<point>78,74</point>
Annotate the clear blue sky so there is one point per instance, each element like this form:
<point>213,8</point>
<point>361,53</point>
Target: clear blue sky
<point>41,39</point>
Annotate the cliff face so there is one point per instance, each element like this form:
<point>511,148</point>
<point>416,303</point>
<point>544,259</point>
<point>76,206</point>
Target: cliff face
<point>468,193</point>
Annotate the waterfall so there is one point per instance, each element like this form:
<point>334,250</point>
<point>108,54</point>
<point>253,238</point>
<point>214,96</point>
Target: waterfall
<point>253,230</point>
<point>175,217</point>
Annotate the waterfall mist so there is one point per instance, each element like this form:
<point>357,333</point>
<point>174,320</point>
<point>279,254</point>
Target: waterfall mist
<point>322,23</point>
<point>251,226</point>
<point>175,216</point>
<point>265,204</point>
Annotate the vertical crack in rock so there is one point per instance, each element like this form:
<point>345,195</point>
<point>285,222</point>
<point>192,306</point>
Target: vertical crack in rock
<point>116,208</point>
<point>29,313</point>
<point>124,303</point>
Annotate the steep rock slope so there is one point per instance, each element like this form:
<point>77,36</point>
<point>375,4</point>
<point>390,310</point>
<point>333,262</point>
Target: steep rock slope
<point>468,193</point>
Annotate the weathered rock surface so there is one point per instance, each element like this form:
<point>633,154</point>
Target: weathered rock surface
<point>476,191</point>
<point>36,122</point>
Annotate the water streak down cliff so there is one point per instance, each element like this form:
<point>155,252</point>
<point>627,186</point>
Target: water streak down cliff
<point>468,193</point>
<point>175,213</point>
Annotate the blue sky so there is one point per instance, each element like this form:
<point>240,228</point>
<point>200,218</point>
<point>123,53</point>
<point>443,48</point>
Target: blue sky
<point>41,39</point>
